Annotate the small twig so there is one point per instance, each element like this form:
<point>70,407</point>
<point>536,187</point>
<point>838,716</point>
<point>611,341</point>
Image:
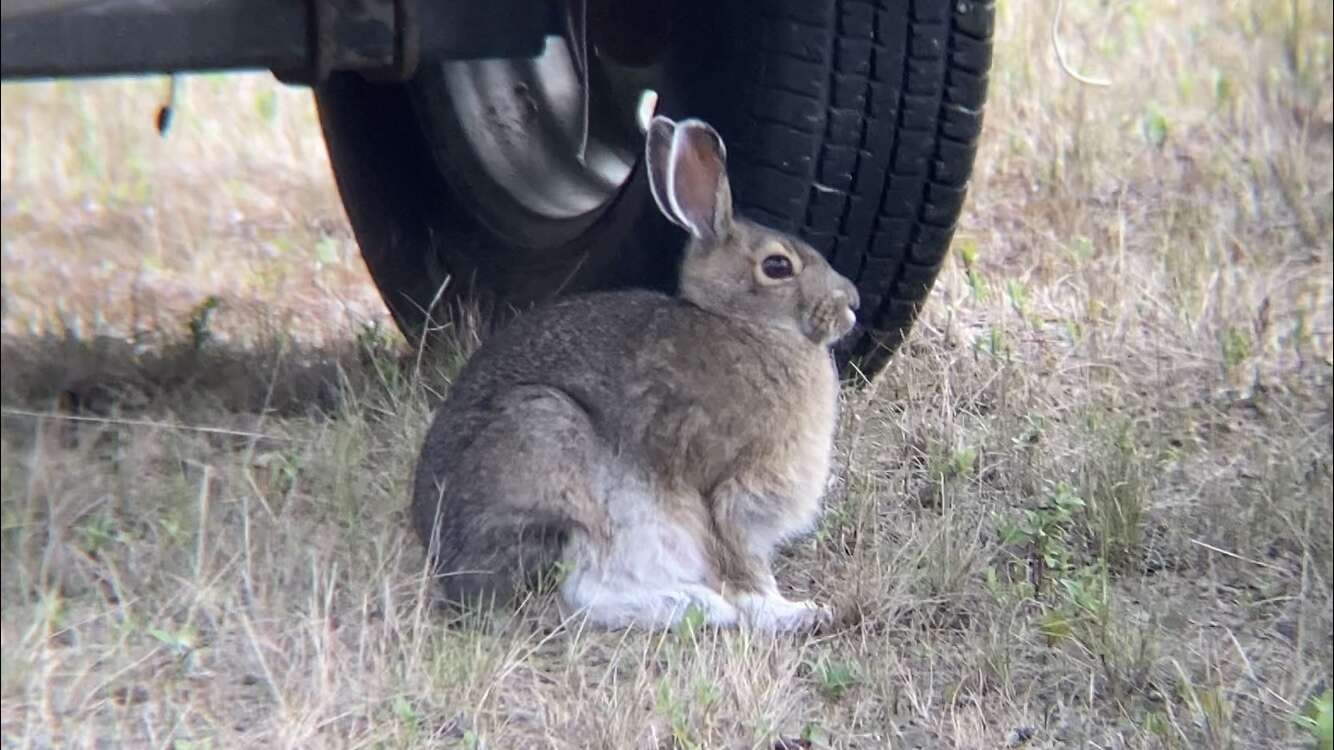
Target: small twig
<point>147,423</point>
<point>201,547</point>
<point>247,583</point>
<point>259,495</point>
<point>426,329</point>
<point>268,397</point>
<point>1250,672</point>
<point>1234,555</point>
<point>1060,52</point>
<point>570,276</point>
<point>258,648</point>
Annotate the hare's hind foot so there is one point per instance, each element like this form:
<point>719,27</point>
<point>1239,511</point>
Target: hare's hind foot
<point>622,607</point>
<point>771,612</point>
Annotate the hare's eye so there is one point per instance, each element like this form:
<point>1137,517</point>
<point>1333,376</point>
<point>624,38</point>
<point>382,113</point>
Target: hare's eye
<point>777,267</point>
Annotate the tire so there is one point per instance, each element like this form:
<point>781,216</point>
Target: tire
<point>851,124</point>
<point>426,239</point>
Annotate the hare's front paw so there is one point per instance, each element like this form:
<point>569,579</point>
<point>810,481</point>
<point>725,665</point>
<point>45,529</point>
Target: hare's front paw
<point>775,614</point>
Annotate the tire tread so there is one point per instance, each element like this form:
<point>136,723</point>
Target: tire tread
<point>883,139</point>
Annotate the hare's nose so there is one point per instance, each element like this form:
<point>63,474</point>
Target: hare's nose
<point>854,299</point>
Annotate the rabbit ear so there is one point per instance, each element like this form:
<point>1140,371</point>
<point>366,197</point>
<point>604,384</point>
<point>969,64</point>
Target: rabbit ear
<point>657,154</point>
<point>697,187</point>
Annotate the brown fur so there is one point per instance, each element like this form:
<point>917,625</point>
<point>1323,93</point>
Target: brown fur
<point>722,400</point>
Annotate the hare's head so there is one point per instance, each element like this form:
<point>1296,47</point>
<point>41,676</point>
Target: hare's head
<point>732,266</point>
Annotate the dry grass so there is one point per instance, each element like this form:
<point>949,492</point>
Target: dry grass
<point>1088,505</point>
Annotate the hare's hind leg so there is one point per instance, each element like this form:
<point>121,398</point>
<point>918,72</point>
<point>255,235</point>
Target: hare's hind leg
<point>650,569</point>
<point>749,529</point>
<point>526,489</point>
<point>501,491</point>
<point>622,604</point>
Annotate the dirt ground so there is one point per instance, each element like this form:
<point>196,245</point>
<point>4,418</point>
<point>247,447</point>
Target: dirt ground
<point>1089,504</point>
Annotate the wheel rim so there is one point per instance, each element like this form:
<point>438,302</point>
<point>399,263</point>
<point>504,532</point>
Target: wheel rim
<point>557,143</point>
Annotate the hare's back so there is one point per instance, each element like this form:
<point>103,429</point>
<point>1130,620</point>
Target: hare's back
<point>611,350</point>
<point>583,339</point>
<point>606,347</point>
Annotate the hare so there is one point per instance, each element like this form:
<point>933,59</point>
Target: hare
<point>653,450</point>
